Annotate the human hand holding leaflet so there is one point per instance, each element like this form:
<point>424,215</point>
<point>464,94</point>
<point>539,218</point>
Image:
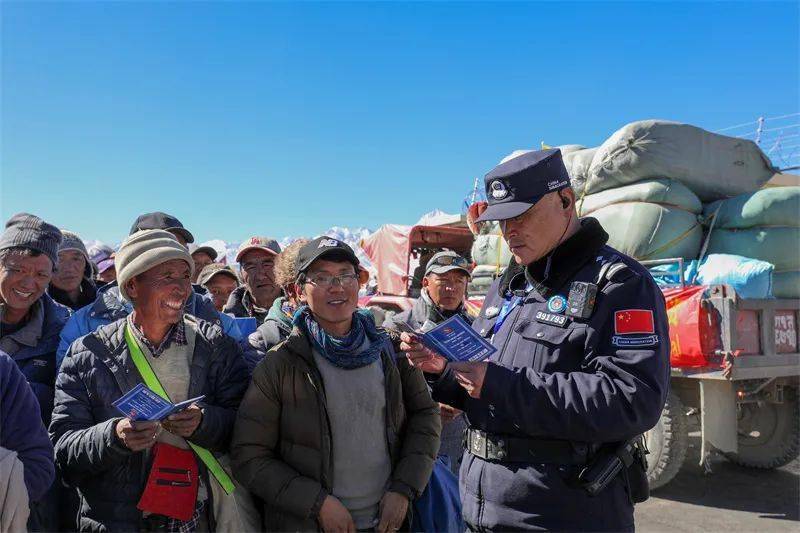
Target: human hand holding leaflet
<point>453,339</point>
<point>420,356</point>
<point>141,403</point>
<point>185,422</point>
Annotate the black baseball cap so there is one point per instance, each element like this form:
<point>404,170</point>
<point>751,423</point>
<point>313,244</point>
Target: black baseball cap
<point>159,220</point>
<point>518,184</point>
<point>325,247</point>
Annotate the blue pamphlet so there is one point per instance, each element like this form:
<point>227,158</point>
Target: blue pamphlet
<point>246,325</point>
<point>455,340</point>
<point>141,403</point>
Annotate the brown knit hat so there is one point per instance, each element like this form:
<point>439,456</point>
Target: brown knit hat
<point>144,250</point>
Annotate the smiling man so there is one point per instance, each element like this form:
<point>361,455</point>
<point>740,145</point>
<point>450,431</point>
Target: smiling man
<point>30,322</point>
<point>256,257</point>
<point>110,305</point>
<point>104,454</point>
<point>72,283</point>
<point>353,456</point>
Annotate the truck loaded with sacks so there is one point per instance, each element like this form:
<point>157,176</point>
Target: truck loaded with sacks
<point>698,208</point>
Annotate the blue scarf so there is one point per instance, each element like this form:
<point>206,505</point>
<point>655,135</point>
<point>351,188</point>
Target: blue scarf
<point>343,351</point>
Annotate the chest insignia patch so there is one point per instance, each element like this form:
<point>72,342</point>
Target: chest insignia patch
<point>492,311</point>
<point>557,304</point>
<point>551,319</point>
<point>634,342</point>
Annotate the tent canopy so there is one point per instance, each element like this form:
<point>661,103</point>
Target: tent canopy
<point>391,251</point>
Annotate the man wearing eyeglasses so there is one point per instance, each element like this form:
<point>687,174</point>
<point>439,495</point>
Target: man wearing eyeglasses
<point>335,431</point>
<point>444,289</point>
<point>581,367</point>
<point>256,257</point>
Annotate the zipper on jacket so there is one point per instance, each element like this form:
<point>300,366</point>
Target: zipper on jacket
<point>323,404</point>
<point>388,417</point>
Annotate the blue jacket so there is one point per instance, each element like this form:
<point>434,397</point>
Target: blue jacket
<point>583,382</point>
<point>36,356</point>
<point>22,429</point>
<point>110,307</point>
<point>97,371</point>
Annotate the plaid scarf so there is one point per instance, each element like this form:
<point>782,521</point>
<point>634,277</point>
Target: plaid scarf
<point>344,351</point>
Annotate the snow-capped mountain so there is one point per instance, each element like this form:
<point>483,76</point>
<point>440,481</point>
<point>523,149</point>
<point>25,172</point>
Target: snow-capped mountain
<point>351,236</point>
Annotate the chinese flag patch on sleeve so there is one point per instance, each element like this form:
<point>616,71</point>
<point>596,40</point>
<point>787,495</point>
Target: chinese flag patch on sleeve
<point>634,321</point>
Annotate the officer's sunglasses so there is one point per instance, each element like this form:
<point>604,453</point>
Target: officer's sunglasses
<point>451,261</point>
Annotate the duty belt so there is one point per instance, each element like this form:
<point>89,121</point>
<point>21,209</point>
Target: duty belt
<point>507,449</point>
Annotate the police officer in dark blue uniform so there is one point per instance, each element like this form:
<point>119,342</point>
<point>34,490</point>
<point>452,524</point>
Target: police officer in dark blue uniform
<point>581,367</point>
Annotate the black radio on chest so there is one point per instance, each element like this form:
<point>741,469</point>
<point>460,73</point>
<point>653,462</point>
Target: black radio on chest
<point>581,299</point>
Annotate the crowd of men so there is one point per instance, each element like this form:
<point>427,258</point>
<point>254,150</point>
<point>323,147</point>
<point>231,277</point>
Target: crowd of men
<point>302,413</point>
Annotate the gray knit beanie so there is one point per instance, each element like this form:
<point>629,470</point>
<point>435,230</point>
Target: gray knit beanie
<point>24,230</point>
<point>144,250</point>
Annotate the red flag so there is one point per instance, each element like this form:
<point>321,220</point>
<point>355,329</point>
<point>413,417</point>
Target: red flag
<point>634,321</point>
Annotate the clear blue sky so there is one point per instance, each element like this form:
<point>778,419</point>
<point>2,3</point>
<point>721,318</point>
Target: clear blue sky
<point>286,119</point>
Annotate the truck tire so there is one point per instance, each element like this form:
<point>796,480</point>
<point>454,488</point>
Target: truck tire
<point>769,433</point>
<point>667,442</point>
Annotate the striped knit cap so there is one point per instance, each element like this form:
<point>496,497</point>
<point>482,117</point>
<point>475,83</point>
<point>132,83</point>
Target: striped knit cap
<point>24,230</point>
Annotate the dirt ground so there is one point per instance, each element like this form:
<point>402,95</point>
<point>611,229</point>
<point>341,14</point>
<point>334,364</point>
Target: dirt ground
<point>731,498</point>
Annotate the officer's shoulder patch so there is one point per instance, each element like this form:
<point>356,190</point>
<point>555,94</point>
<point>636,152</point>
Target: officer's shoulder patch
<point>619,272</point>
<point>617,275</point>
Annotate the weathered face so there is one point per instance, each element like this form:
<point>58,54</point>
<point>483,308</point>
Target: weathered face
<point>160,293</point>
<point>220,287</point>
<point>23,279</point>
<point>533,234</point>
<point>447,290</point>
<point>71,266</point>
<point>331,301</point>
<point>201,260</point>
<point>258,274</point>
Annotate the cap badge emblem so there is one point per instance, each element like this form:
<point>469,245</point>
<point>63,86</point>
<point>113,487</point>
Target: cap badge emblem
<point>498,190</point>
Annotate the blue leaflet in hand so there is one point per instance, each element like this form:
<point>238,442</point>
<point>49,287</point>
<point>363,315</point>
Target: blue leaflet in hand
<point>454,339</point>
<point>141,403</point>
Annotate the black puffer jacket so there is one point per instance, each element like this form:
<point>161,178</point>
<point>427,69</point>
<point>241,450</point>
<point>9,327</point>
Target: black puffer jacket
<point>98,370</point>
